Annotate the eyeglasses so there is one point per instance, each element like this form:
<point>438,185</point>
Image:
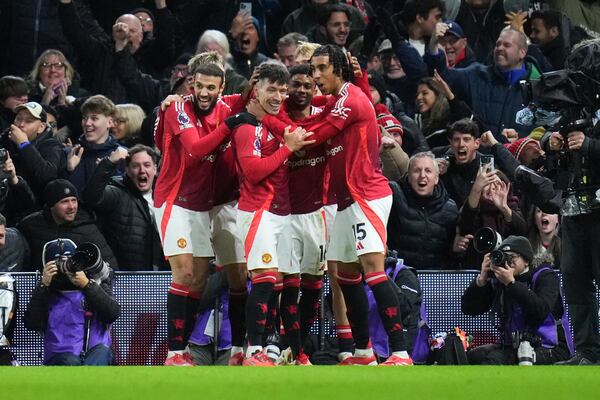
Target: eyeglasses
<point>53,124</point>
<point>145,20</point>
<point>57,65</point>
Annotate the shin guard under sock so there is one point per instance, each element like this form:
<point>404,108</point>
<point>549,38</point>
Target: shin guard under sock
<point>357,307</point>
<point>237,316</point>
<point>257,306</point>
<point>388,307</point>
<point>289,312</point>
<point>176,306</point>
<point>309,305</point>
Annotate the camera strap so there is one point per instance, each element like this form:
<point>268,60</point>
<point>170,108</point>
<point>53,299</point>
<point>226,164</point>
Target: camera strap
<point>86,328</point>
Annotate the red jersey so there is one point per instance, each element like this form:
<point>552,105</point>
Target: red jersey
<point>225,180</point>
<point>306,177</point>
<point>187,140</point>
<point>353,138</point>
<point>261,160</point>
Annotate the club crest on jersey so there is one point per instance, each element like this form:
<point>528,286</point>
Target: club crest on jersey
<point>183,119</point>
<point>181,243</point>
<point>267,258</point>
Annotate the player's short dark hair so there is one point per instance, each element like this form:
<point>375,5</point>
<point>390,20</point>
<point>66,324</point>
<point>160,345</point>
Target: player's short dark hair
<point>12,86</point>
<point>274,73</point>
<point>2,220</point>
<point>550,18</point>
<point>325,14</point>
<point>300,69</point>
<point>209,70</point>
<point>140,148</point>
<point>339,60</point>
<point>412,8</point>
<point>464,126</point>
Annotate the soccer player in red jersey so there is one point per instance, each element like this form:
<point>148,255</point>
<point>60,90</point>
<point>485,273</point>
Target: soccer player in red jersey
<point>364,200</point>
<point>263,213</point>
<point>183,197</point>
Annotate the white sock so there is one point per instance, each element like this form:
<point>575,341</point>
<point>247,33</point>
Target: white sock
<point>236,349</point>
<point>363,352</point>
<point>173,352</point>
<point>252,349</point>
<point>343,355</point>
<point>401,354</point>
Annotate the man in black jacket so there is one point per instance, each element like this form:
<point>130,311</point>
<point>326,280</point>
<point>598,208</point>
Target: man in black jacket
<point>527,298</point>
<point>74,310</point>
<point>546,32</point>
<point>423,217</point>
<point>62,218</point>
<point>37,156</point>
<point>122,203</point>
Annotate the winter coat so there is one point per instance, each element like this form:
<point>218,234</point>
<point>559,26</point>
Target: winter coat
<point>91,153</point>
<point>40,228</point>
<point>485,90</point>
<point>421,229</point>
<point>127,222</point>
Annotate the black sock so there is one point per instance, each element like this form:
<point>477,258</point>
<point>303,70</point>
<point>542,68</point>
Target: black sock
<point>273,318</point>
<point>237,316</point>
<point>257,306</point>
<point>345,339</point>
<point>309,306</point>
<point>357,307</point>
<point>176,306</point>
<point>388,307</point>
<point>289,312</point>
<point>191,312</point>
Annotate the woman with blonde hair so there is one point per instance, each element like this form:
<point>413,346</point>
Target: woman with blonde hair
<point>52,80</point>
<point>128,124</point>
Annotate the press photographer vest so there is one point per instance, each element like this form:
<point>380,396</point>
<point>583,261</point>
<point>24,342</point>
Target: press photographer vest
<point>203,333</point>
<point>378,334</point>
<point>547,331</point>
<point>66,327</point>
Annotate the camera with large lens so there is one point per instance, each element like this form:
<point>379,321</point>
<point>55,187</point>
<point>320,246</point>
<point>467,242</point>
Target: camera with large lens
<point>87,259</point>
<point>488,240</point>
<point>572,96</point>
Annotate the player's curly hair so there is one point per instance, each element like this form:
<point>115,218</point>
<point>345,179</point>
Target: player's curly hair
<point>337,57</point>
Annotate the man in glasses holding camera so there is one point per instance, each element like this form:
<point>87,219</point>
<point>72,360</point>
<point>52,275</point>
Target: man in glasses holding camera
<point>73,305</point>
<point>525,294</point>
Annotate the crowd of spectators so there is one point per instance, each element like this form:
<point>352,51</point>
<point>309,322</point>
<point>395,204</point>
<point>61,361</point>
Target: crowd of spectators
<point>82,81</point>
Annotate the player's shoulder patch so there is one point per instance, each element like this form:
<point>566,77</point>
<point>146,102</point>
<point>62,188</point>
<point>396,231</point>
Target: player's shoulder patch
<point>183,119</point>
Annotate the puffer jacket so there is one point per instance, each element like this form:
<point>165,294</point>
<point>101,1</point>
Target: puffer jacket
<point>127,222</point>
<point>40,228</point>
<point>421,229</point>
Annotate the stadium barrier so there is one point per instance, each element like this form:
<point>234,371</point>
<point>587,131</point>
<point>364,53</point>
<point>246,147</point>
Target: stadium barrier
<point>139,335</point>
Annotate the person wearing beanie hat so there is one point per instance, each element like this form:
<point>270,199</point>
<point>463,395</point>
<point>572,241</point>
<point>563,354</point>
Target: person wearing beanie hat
<point>62,216</point>
<point>245,36</point>
<point>55,309</point>
<point>528,296</point>
<point>526,150</point>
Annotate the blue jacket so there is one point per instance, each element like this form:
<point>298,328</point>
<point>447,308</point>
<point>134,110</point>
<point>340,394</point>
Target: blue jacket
<point>485,90</point>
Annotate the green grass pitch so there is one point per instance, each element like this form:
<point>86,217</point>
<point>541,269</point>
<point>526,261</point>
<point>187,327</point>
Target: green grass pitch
<point>307,383</point>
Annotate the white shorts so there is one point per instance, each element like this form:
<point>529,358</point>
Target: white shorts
<point>330,211</point>
<point>360,229</point>
<point>226,241</point>
<point>309,242</point>
<point>184,231</point>
<point>267,240</point>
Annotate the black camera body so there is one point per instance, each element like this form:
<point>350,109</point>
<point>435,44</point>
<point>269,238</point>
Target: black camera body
<point>86,259</point>
<point>574,96</point>
<point>3,155</point>
<point>500,258</point>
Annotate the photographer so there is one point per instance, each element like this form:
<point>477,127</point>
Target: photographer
<point>526,296</point>
<point>73,305</point>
